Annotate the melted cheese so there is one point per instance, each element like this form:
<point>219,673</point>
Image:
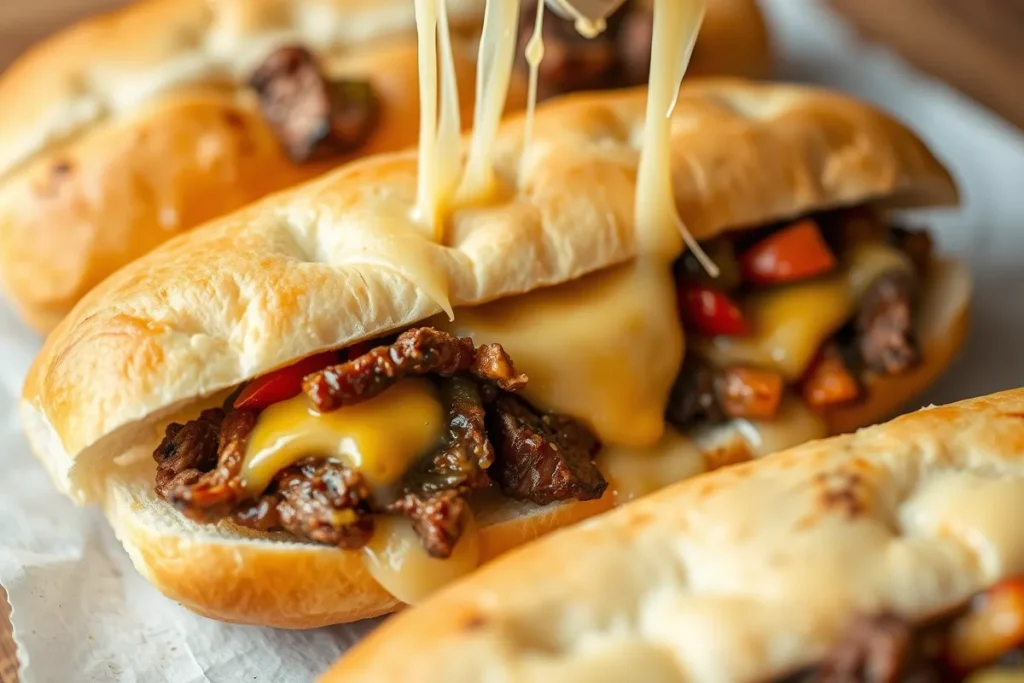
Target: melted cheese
<point>793,424</point>
<point>440,161</point>
<point>395,558</point>
<point>593,22</point>
<point>380,437</point>
<point>676,25</point>
<point>790,323</point>
<point>973,510</point>
<point>633,473</point>
<point>636,472</point>
<point>605,348</point>
<point>534,56</point>
<point>494,72</point>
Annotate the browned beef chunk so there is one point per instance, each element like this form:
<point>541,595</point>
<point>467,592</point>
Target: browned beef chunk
<point>419,351</point>
<point>467,453</point>
<point>438,519</point>
<point>493,364</point>
<point>212,495</point>
<point>187,451</point>
<point>693,397</point>
<point>884,325</point>
<point>318,499</point>
<point>542,458</point>
<point>313,118</point>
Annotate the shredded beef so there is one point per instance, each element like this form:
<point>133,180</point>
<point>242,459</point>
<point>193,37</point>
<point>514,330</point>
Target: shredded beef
<point>187,451</point>
<point>693,397</point>
<point>884,325</point>
<point>542,458</point>
<point>318,499</point>
<point>419,351</point>
<point>438,519</point>
<point>312,117</point>
<point>215,492</point>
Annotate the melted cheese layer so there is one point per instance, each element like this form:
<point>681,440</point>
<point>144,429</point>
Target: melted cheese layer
<point>380,437</point>
<point>395,558</point>
<point>605,348</point>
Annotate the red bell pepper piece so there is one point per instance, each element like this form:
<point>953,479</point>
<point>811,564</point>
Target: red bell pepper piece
<point>710,311</point>
<point>793,253</point>
<point>283,384</point>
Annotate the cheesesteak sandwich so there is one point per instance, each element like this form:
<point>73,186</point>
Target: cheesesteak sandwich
<point>321,406</point>
<point>892,554</point>
<point>169,113</point>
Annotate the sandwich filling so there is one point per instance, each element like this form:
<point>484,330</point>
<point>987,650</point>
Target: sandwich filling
<point>417,426</point>
<point>976,641</point>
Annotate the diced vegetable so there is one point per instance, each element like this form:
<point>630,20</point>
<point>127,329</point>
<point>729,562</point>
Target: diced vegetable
<point>749,392</point>
<point>993,625</point>
<point>709,311</point>
<point>794,253</point>
<point>283,384</point>
<point>829,382</point>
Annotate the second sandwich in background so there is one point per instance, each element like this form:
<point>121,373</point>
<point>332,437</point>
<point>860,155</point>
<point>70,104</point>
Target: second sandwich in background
<point>123,131</point>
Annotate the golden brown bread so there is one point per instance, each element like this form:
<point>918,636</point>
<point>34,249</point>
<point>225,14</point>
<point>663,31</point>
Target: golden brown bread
<point>741,575</point>
<point>334,261</point>
<point>144,129</point>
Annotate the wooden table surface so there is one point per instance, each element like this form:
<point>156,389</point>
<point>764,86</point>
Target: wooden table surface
<point>975,45</point>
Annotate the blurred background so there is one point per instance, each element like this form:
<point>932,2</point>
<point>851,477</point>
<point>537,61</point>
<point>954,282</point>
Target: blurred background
<point>975,45</point>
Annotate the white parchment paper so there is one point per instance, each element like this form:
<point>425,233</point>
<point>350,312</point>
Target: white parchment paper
<point>81,613</point>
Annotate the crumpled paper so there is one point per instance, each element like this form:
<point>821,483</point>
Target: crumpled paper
<point>81,613</point>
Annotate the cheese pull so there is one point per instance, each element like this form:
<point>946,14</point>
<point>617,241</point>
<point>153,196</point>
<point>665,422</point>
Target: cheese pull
<point>395,558</point>
<point>605,348</point>
<point>381,438</point>
<point>791,323</point>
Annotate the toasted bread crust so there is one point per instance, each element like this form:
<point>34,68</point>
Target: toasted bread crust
<point>745,574</point>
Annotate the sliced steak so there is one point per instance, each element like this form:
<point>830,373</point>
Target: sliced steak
<point>420,351</point>
<point>438,519</point>
<point>467,453</point>
<point>213,495</point>
<point>885,325</point>
<point>542,458</point>
<point>313,118</point>
<point>317,499</point>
